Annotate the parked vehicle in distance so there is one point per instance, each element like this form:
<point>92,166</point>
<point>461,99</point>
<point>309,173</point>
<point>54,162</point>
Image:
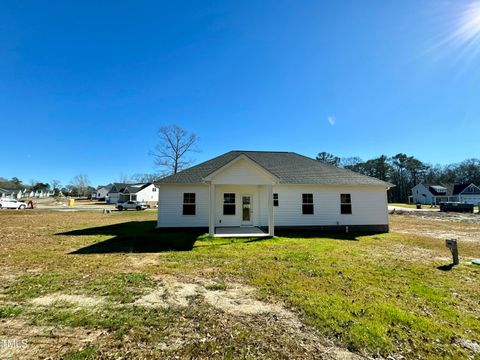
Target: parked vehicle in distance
<point>12,204</point>
<point>132,205</point>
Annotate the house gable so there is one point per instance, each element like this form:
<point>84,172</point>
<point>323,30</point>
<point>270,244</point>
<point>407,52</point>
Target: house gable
<point>471,190</point>
<point>421,190</point>
<point>466,189</point>
<point>241,170</point>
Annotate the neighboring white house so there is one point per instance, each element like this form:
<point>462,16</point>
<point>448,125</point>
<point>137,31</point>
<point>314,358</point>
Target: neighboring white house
<point>436,194</point>
<point>101,192</point>
<point>146,192</point>
<point>467,193</point>
<point>431,194</point>
<point>271,190</point>
<point>43,193</point>
<point>10,193</point>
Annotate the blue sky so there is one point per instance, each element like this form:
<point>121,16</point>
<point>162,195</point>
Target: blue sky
<point>84,86</point>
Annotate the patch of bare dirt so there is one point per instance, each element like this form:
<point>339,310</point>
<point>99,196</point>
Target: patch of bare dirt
<point>142,260</point>
<point>409,253</point>
<point>25,341</point>
<point>469,345</point>
<point>80,301</point>
<point>463,227</point>
<point>442,216</point>
<point>235,300</point>
<point>170,293</point>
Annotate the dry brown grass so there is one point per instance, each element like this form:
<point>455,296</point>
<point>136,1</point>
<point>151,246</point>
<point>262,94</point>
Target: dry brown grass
<point>437,226</point>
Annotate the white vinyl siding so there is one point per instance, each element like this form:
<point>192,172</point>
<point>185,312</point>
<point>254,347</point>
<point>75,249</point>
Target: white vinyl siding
<point>259,208</point>
<point>147,194</point>
<point>170,206</point>
<point>422,195</point>
<point>470,199</point>
<point>369,205</point>
<point>243,172</point>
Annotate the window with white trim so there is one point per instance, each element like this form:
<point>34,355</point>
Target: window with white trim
<point>307,204</point>
<point>275,199</point>
<point>345,204</point>
<point>229,204</point>
<point>189,207</point>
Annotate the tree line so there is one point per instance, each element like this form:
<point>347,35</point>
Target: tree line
<point>406,171</point>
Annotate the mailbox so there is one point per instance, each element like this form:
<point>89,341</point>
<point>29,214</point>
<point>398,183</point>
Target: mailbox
<point>452,245</point>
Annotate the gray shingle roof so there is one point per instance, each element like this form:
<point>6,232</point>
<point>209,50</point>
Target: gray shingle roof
<point>459,188</point>
<point>437,189</point>
<point>288,167</point>
<point>130,188</point>
<point>134,188</point>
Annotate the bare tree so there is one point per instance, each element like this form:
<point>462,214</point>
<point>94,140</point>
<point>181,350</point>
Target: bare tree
<point>124,178</point>
<point>172,150</point>
<point>145,178</point>
<point>350,162</point>
<point>80,184</point>
<point>32,183</point>
<point>55,184</point>
<point>56,187</point>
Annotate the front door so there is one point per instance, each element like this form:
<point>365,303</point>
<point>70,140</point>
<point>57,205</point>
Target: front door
<point>246,210</point>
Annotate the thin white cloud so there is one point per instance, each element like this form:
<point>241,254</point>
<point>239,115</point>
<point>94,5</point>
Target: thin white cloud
<point>332,120</point>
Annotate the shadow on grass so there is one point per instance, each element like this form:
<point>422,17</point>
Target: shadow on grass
<point>136,237</point>
<point>446,267</point>
<point>143,237</point>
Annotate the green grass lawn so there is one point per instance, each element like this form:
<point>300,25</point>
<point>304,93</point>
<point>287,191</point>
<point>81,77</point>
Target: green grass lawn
<point>376,303</point>
<point>375,294</point>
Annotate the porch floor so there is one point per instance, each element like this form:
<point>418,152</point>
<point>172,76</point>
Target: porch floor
<point>240,231</point>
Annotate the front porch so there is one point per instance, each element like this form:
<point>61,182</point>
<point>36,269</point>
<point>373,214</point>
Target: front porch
<point>240,200</point>
<point>240,231</point>
<point>241,210</point>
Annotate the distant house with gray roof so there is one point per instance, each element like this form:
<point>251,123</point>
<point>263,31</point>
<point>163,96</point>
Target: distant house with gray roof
<point>431,194</point>
<point>242,192</point>
<point>467,193</point>
<point>427,194</point>
<point>101,193</point>
<point>121,192</point>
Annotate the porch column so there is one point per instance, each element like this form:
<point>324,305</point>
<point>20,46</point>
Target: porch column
<point>211,213</point>
<point>271,226</point>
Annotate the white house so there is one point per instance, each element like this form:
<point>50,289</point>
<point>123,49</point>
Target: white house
<point>427,194</point>
<point>101,192</point>
<point>140,192</point>
<point>435,194</point>
<point>146,192</point>
<point>467,193</point>
<point>242,192</point>
<point>10,193</point>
